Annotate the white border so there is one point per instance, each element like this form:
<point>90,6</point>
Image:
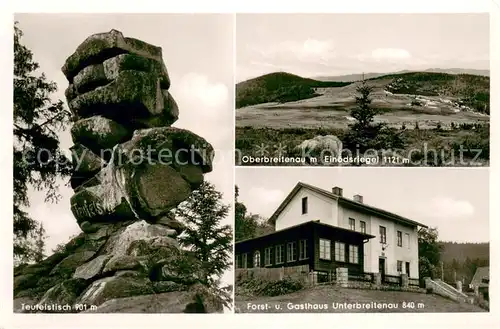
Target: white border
<point>9,320</point>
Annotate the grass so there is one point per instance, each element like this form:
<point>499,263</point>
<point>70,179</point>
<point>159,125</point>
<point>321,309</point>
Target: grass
<point>325,296</point>
<point>431,147</point>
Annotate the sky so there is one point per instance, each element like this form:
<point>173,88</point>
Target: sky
<point>456,201</point>
<point>198,53</point>
<point>312,45</point>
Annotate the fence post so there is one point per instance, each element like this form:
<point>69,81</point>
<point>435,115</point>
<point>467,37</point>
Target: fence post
<point>342,276</point>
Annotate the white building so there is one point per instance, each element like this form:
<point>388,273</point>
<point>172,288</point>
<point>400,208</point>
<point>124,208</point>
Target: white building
<point>393,251</point>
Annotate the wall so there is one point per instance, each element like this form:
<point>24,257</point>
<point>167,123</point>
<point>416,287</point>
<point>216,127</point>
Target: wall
<point>343,215</point>
<point>319,208</point>
<point>392,252</point>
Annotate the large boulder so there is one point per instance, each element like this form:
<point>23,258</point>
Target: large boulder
<point>131,94</point>
<point>195,300</point>
<point>96,75</point>
<point>91,269</point>
<point>151,234</point>
<point>114,287</point>
<point>172,146</point>
<point>145,178</point>
<point>319,147</point>
<point>85,161</point>
<point>101,46</point>
<point>63,294</point>
<point>99,134</point>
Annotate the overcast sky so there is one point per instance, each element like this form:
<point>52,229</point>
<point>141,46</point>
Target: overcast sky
<point>198,53</point>
<point>453,200</point>
<point>337,44</point>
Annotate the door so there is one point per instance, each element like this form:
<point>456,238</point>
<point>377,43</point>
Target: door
<point>381,268</point>
<point>408,269</point>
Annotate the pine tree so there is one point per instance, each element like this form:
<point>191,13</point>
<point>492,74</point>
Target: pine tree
<point>363,112</point>
<point>205,236</point>
<point>40,243</point>
<point>38,159</point>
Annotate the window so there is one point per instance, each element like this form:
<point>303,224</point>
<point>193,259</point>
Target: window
<point>238,261</point>
<point>244,261</point>
<point>407,238</point>
<point>399,266</point>
<point>362,226</point>
<point>352,224</point>
<point>340,251</point>
<point>400,239</point>
<point>408,268</point>
<point>353,254</point>
<point>280,254</point>
<point>383,237</point>
<point>256,259</point>
<point>291,254</point>
<point>267,256</point>
<point>304,205</point>
<point>324,249</point>
<point>303,249</point>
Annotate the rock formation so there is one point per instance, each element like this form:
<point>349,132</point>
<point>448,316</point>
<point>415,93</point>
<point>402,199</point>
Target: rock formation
<point>131,169</point>
<point>318,148</point>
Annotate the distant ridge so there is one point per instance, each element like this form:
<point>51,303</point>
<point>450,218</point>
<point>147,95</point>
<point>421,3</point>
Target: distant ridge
<point>358,76</point>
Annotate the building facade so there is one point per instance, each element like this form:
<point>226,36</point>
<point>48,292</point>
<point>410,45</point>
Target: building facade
<point>326,230</point>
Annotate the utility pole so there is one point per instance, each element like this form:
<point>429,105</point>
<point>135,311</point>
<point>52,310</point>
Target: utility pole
<point>442,271</point>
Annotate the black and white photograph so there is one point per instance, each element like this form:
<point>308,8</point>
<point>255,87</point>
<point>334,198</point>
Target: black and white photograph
<point>122,198</point>
<point>370,89</point>
<point>364,240</point>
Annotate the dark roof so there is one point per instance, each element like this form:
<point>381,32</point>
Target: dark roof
<point>362,207</point>
<point>311,222</point>
<point>481,273</point>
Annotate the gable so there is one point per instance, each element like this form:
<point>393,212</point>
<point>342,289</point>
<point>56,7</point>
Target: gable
<point>317,207</point>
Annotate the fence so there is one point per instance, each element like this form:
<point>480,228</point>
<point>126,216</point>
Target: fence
<point>340,277</point>
<point>300,273</point>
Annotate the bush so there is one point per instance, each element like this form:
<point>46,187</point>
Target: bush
<point>283,287</point>
<point>270,288</point>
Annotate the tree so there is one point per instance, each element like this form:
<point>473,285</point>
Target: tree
<point>40,243</point>
<point>38,158</point>
<point>248,226</point>
<point>364,133</point>
<point>429,252</point>
<point>244,229</point>
<point>363,113</point>
<point>206,237</point>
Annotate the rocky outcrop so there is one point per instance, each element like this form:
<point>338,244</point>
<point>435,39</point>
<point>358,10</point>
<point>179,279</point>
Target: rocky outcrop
<point>320,147</point>
<point>131,170</point>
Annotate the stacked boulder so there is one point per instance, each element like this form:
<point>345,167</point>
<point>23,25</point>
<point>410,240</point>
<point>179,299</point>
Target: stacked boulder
<point>131,170</point>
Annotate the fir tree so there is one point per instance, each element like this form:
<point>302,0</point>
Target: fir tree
<point>38,159</point>
<point>206,236</point>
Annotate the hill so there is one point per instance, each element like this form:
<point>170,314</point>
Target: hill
<point>359,76</point>
<point>469,90</point>
<point>279,87</point>
<point>462,251</point>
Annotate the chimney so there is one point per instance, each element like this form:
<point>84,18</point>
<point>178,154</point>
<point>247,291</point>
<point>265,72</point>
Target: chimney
<point>337,191</point>
<point>358,198</point>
